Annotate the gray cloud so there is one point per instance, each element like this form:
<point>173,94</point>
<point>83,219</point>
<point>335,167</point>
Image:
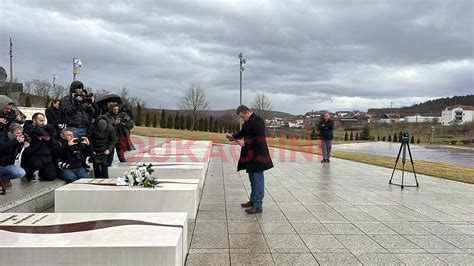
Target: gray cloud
<point>303,54</point>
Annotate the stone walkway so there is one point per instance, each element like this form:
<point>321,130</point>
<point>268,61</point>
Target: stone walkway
<point>338,213</point>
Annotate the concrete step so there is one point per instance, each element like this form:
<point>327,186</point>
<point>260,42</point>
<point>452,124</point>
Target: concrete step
<point>23,196</point>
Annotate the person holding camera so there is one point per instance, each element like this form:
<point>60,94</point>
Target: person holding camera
<point>254,156</point>
<point>11,143</point>
<point>39,156</point>
<point>122,123</point>
<point>103,138</point>
<point>326,126</point>
<point>54,115</point>
<point>8,114</point>
<point>71,154</point>
<point>78,109</point>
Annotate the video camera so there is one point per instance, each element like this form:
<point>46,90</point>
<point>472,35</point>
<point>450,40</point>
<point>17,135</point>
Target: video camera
<point>86,97</point>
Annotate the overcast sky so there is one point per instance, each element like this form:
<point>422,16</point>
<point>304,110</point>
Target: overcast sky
<point>333,55</point>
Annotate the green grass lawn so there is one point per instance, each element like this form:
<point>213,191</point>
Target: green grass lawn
<point>443,170</point>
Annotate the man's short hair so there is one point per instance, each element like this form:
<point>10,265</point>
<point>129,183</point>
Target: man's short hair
<point>55,101</point>
<point>35,115</point>
<point>66,130</point>
<point>242,109</point>
<point>14,126</point>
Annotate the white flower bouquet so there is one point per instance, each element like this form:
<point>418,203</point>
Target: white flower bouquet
<point>139,176</point>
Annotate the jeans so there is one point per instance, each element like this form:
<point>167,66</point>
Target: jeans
<point>257,184</point>
<point>326,147</point>
<point>79,132</point>
<point>12,171</point>
<point>71,175</point>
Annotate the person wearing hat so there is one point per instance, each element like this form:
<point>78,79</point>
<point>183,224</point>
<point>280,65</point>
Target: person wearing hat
<point>39,156</point>
<point>103,139</point>
<point>9,113</point>
<point>77,112</point>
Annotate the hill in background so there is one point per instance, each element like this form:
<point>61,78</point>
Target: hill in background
<point>428,108</point>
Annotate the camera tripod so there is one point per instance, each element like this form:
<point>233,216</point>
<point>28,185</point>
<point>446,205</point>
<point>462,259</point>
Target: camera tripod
<point>403,148</point>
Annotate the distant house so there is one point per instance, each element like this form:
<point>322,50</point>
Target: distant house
<point>457,115</point>
<point>420,119</point>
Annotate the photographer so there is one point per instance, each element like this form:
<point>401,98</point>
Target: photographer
<point>39,156</point>
<point>103,138</point>
<point>122,123</point>
<point>326,126</point>
<point>8,114</point>
<point>54,115</point>
<point>71,154</point>
<point>11,142</point>
<point>78,109</point>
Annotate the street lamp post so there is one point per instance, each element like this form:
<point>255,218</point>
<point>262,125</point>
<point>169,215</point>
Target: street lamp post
<point>54,81</point>
<point>242,61</point>
<point>76,67</point>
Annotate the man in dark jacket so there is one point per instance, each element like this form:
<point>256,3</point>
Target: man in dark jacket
<point>254,156</point>
<point>103,138</point>
<point>122,124</point>
<point>78,109</point>
<point>8,113</point>
<point>54,116</point>
<point>39,156</point>
<point>11,142</point>
<point>326,126</point>
<point>71,154</point>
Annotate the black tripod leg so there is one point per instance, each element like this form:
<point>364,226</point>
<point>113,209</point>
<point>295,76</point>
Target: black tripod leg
<point>396,162</point>
<point>403,172</point>
<point>412,165</point>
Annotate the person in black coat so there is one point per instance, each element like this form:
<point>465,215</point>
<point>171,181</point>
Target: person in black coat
<point>326,126</point>
<point>11,142</point>
<point>71,154</point>
<point>39,156</point>
<point>77,110</point>
<point>103,138</point>
<point>54,115</point>
<point>254,156</point>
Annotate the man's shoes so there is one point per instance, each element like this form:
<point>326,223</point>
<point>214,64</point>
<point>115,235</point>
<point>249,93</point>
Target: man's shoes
<point>327,160</point>
<point>254,210</point>
<point>323,161</point>
<point>30,178</point>
<point>247,204</point>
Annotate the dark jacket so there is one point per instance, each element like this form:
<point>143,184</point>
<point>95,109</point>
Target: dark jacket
<point>72,157</point>
<point>254,155</point>
<point>123,129</point>
<point>10,116</point>
<point>9,149</point>
<point>54,116</point>
<point>39,149</point>
<point>75,113</point>
<point>102,139</point>
<point>325,129</point>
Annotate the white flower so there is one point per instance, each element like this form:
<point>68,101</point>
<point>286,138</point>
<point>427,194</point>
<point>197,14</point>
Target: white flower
<point>147,174</point>
<point>140,179</point>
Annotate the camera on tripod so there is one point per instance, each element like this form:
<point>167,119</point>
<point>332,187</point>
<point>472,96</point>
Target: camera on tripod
<point>405,136</point>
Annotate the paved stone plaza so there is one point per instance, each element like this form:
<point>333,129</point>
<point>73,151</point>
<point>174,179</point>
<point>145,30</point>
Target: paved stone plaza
<point>338,213</point>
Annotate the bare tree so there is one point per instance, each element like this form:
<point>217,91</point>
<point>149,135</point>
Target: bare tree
<point>262,106</point>
<point>194,101</point>
<point>40,87</point>
<point>58,92</point>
